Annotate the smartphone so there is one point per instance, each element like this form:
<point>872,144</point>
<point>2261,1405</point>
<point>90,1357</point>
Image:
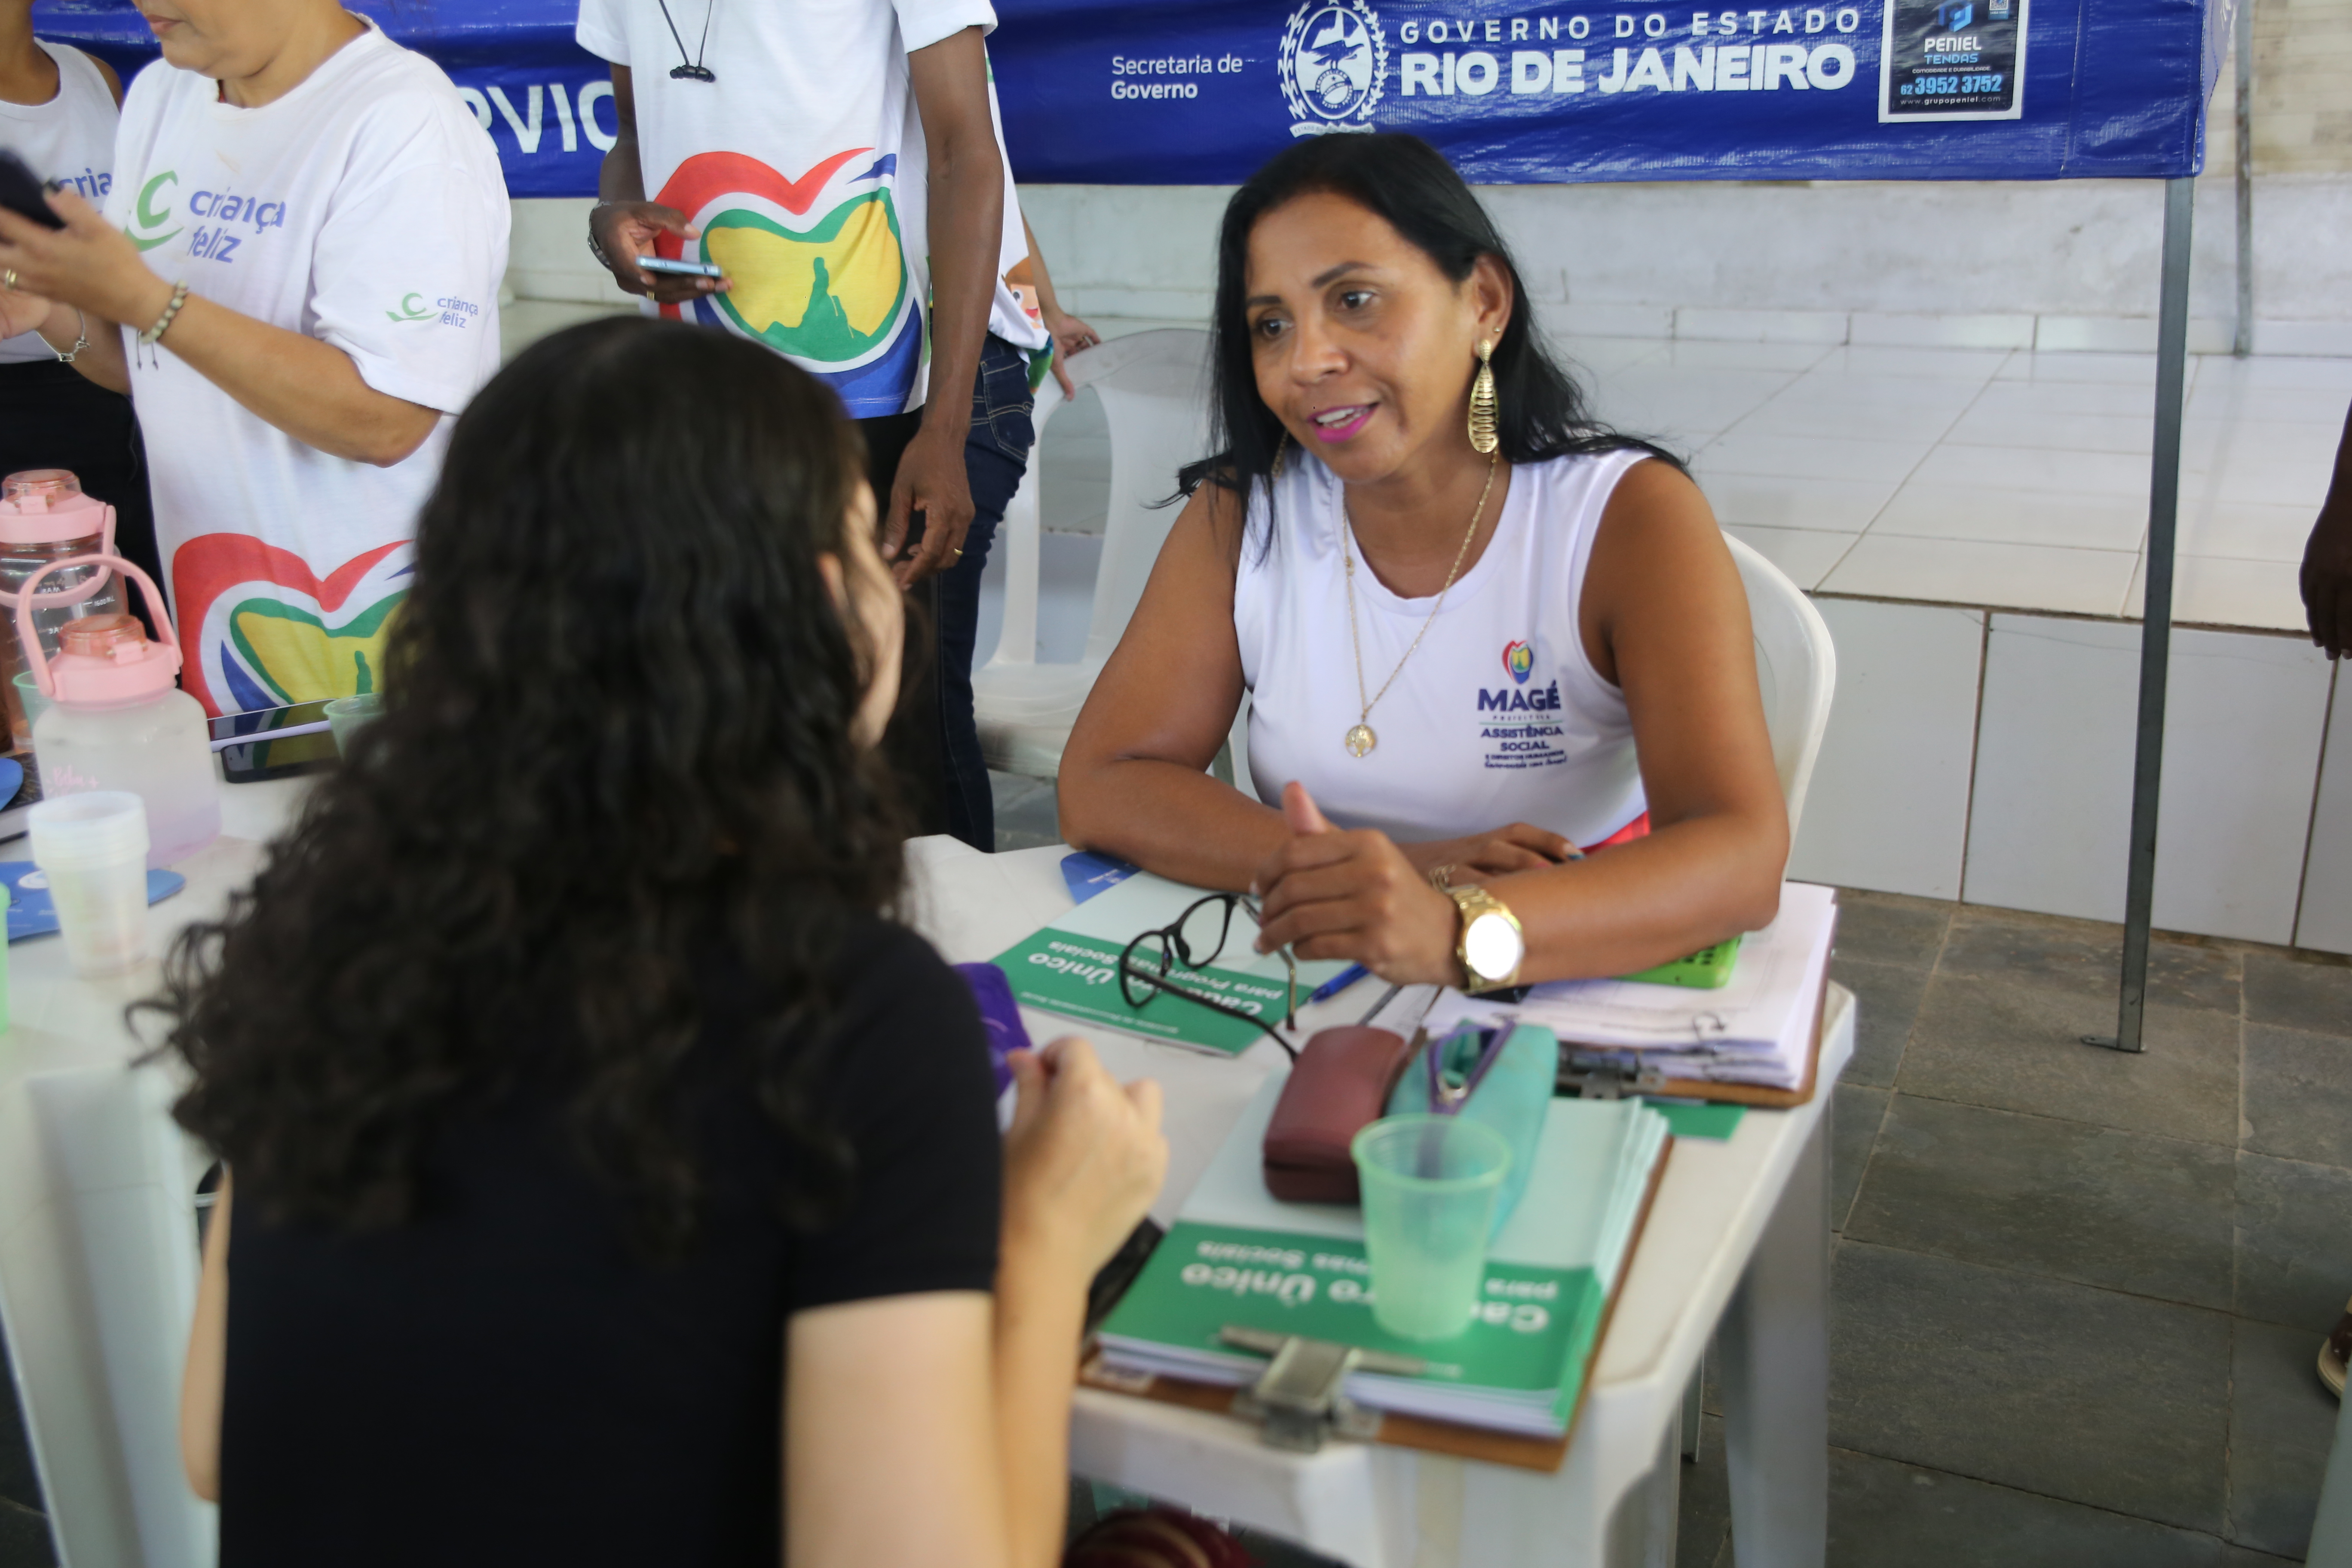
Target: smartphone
<point>258,745</point>
<point>663,264</point>
<point>21,192</point>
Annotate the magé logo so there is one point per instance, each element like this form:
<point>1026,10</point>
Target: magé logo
<point>1333,60</point>
<point>1519,659</point>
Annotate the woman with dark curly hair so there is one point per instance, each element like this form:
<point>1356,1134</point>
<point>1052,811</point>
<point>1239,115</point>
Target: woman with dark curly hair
<point>608,1167</point>
<point>1480,631</point>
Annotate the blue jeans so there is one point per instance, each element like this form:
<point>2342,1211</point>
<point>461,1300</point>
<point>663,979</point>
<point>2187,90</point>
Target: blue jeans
<point>995,454</point>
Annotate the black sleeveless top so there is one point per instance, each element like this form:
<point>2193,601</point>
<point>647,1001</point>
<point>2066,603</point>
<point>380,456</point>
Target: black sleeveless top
<point>505,1381</point>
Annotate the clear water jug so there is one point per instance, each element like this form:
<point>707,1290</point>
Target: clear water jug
<point>45,519</point>
<point>117,720</point>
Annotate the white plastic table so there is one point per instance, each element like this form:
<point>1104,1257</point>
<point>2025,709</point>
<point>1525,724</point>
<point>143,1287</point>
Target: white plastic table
<point>98,1240</point>
<point>1736,1250</point>
<point>98,1273</point>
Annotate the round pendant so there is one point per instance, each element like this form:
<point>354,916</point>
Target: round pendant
<point>1360,740</point>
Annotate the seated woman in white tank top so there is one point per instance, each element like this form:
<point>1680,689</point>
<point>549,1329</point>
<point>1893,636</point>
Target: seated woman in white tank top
<point>1481,633</point>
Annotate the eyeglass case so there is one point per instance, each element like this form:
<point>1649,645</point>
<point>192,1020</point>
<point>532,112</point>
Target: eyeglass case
<point>1340,1082</point>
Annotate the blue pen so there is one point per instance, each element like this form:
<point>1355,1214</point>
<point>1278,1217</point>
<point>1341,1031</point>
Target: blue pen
<point>1337,984</point>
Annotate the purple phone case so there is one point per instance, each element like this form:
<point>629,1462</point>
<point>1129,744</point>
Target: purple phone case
<point>1006,1032</point>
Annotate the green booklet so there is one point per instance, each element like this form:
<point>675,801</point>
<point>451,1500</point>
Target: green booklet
<point>1237,1255</point>
<point>1708,969</point>
<point>1071,967</point>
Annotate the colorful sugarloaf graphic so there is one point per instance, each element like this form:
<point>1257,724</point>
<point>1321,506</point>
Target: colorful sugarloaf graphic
<point>263,630</point>
<point>1519,659</point>
<point>815,266</point>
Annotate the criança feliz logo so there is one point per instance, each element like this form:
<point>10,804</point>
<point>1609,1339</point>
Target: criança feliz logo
<point>147,217</point>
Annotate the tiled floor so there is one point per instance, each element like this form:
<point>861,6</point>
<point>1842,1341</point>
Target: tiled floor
<point>2077,1295</point>
<point>1953,476</point>
<point>1990,477</point>
<point>1024,812</point>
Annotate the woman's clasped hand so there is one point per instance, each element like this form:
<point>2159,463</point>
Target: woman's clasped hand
<point>1356,895</point>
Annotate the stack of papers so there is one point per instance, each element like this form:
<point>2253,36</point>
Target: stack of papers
<point>1237,1255</point>
<point>1757,1029</point>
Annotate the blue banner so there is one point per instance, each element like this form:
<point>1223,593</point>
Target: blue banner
<point>1097,91</point>
<point>546,102</point>
<point>1107,91</point>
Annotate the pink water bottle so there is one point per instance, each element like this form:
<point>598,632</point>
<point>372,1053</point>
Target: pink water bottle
<point>117,721</point>
<point>44,518</point>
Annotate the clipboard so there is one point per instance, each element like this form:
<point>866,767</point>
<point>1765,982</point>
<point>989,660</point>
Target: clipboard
<point>1452,1438</point>
<point>1760,1096</point>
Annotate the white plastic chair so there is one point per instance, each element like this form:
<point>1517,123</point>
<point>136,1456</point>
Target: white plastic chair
<point>1796,665</point>
<point>1154,392</point>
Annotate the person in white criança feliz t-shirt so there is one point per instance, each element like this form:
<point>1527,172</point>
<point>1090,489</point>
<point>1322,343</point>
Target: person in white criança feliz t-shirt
<point>302,249</point>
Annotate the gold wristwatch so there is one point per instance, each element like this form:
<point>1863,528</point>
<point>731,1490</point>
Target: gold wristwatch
<point>1492,945</point>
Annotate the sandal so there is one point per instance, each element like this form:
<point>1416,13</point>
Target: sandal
<point>2333,1354</point>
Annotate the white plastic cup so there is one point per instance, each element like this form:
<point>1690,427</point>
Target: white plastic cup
<point>92,849</point>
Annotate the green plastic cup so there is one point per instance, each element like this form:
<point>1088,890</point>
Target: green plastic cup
<point>29,698</point>
<point>1430,1184</point>
<point>346,716</point>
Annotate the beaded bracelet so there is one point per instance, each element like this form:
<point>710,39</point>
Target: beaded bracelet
<point>164,322</point>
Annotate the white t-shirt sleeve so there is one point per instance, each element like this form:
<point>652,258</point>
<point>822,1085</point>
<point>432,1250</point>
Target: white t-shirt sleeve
<point>405,280</point>
<point>600,31</point>
<point>923,23</point>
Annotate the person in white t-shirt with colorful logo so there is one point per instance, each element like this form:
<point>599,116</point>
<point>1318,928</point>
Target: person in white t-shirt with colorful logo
<point>302,251</point>
<point>837,161</point>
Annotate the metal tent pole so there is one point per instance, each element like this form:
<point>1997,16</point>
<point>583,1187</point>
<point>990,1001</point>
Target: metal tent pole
<point>2243,27</point>
<point>2156,628</point>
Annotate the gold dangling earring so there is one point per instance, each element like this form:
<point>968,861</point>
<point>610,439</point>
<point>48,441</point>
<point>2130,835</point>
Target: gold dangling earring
<point>1482,407</point>
<point>1281,450</point>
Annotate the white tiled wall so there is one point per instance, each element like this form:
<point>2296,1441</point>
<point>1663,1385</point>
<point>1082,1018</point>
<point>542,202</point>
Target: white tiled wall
<point>1890,797</point>
<point>2327,922</point>
<point>2052,800</point>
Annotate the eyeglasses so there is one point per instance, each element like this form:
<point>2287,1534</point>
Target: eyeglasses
<point>1192,942</point>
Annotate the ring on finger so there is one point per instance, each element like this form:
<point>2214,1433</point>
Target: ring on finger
<point>9,280</point>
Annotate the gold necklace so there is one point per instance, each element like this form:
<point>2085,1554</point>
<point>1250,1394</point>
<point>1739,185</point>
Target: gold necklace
<point>1361,739</point>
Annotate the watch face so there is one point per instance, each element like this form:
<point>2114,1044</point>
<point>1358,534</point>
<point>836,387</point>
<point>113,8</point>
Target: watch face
<point>1493,946</point>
